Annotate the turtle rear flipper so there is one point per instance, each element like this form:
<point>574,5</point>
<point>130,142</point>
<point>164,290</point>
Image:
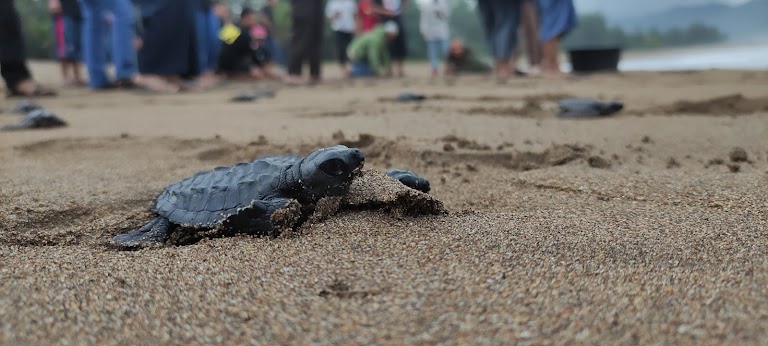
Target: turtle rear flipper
<point>152,233</point>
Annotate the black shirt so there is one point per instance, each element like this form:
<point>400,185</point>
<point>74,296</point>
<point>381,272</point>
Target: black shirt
<point>71,9</point>
<point>239,55</point>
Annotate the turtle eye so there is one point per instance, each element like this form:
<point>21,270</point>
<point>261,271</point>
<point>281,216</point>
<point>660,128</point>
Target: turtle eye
<point>333,167</point>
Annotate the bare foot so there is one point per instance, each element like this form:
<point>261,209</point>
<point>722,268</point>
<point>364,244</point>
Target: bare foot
<point>293,80</point>
<point>30,88</point>
<point>554,74</point>
<point>207,81</point>
<point>157,84</point>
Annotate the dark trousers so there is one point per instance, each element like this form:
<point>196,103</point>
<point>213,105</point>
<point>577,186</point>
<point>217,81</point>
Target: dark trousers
<point>500,20</point>
<point>13,56</point>
<point>307,39</point>
<point>342,42</point>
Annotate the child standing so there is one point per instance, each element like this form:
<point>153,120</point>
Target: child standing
<point>67,27</point>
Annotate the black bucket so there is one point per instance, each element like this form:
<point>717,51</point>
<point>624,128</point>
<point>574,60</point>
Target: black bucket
<point>595,59</point>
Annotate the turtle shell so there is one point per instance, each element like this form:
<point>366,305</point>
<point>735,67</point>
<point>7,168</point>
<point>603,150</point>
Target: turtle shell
<point>207,198</point>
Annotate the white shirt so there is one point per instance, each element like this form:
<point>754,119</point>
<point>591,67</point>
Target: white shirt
<point>435,15</point>
<point>393,5</point>
<point>342,13</point>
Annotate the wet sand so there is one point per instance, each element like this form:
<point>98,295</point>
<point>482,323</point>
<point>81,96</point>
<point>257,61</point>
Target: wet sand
<point>642,228</point>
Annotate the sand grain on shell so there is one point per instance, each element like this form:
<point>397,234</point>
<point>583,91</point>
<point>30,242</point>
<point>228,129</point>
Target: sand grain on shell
<point>539,246</point>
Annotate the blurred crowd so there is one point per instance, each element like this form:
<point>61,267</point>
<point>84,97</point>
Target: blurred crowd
<point>174,45</point>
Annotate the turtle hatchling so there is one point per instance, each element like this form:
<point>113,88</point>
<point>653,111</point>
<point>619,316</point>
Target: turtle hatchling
<point>36,119</point>
<point>262,197</point>
<point>580,107</point>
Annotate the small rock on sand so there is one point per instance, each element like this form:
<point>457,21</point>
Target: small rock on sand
<point>598,162</point>
<point>738,155</point>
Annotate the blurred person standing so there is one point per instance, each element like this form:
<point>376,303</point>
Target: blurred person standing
<point>557,19</point>
<point>168,55</point>
<point>268,21</point>
<point>68,33</point>
<point>530,27</point>
<point>342,15</point>
<point>306,40</point>
<point>13,56</point>
<point>433,26</point>
<point>500,20</point>
<point>123,51</point>
<point>392,10</point>
<point>366,17</point>
<point>208,46</point>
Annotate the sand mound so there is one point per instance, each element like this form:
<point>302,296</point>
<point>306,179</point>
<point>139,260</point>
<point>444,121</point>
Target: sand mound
<point>375,190</point>
<point>555,155</point>
<point>537,106</point>
<point>734,104</point>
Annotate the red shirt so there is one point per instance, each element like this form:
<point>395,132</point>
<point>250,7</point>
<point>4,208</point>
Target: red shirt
<point>368,19</point>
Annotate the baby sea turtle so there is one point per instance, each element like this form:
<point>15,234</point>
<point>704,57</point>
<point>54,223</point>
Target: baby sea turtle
<point>578,107</point>
<point>36,119</point>
<point>25,106</point>
<point>260,197</point>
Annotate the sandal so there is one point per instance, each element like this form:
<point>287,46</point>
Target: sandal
<point>39,91</point>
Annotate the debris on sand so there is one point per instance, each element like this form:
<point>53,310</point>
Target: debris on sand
<point>738,155</point>
<point>734,167</point>
<point>672,163</point>
<point>363,140</point>
<point>463,143</point>
<point>733,104</point>
<point>598,162</point>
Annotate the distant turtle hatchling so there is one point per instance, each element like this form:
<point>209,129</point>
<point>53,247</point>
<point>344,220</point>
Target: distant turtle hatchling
<point>263,197</point>
<point>36,119</point>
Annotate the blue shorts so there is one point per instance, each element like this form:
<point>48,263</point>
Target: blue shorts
<point>68,34</point>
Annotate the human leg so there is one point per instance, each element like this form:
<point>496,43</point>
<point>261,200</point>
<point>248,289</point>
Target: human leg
<point>433,46</point>
<point>74,35</point>
<point>123,34</point>
<point>488,20</point>
<point>94,54</point>
<point>315,49</point>
<point>504,39</point>
<point>530,23</point>
<point>13,67</point>
<point>299,42</point>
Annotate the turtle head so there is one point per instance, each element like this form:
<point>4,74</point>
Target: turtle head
<point>329,171</point>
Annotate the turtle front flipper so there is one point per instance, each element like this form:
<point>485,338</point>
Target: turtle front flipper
<point>410,179</point>
<point>153,232</point>
<point>264,217</point>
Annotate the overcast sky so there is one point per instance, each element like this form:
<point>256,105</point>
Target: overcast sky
<point>625,8</point>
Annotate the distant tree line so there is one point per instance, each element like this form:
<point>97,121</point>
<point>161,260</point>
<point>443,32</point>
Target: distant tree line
<point>593,31</point>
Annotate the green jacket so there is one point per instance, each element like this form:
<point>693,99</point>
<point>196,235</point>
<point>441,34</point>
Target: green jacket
<point>371,47</point>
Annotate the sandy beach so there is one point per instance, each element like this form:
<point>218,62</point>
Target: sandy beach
<point>647,227</point>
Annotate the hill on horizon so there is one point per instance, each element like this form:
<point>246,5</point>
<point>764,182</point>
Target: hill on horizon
<point>740,23</point>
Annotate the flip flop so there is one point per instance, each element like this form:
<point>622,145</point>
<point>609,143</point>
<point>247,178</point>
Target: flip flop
<point>39,91</point>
